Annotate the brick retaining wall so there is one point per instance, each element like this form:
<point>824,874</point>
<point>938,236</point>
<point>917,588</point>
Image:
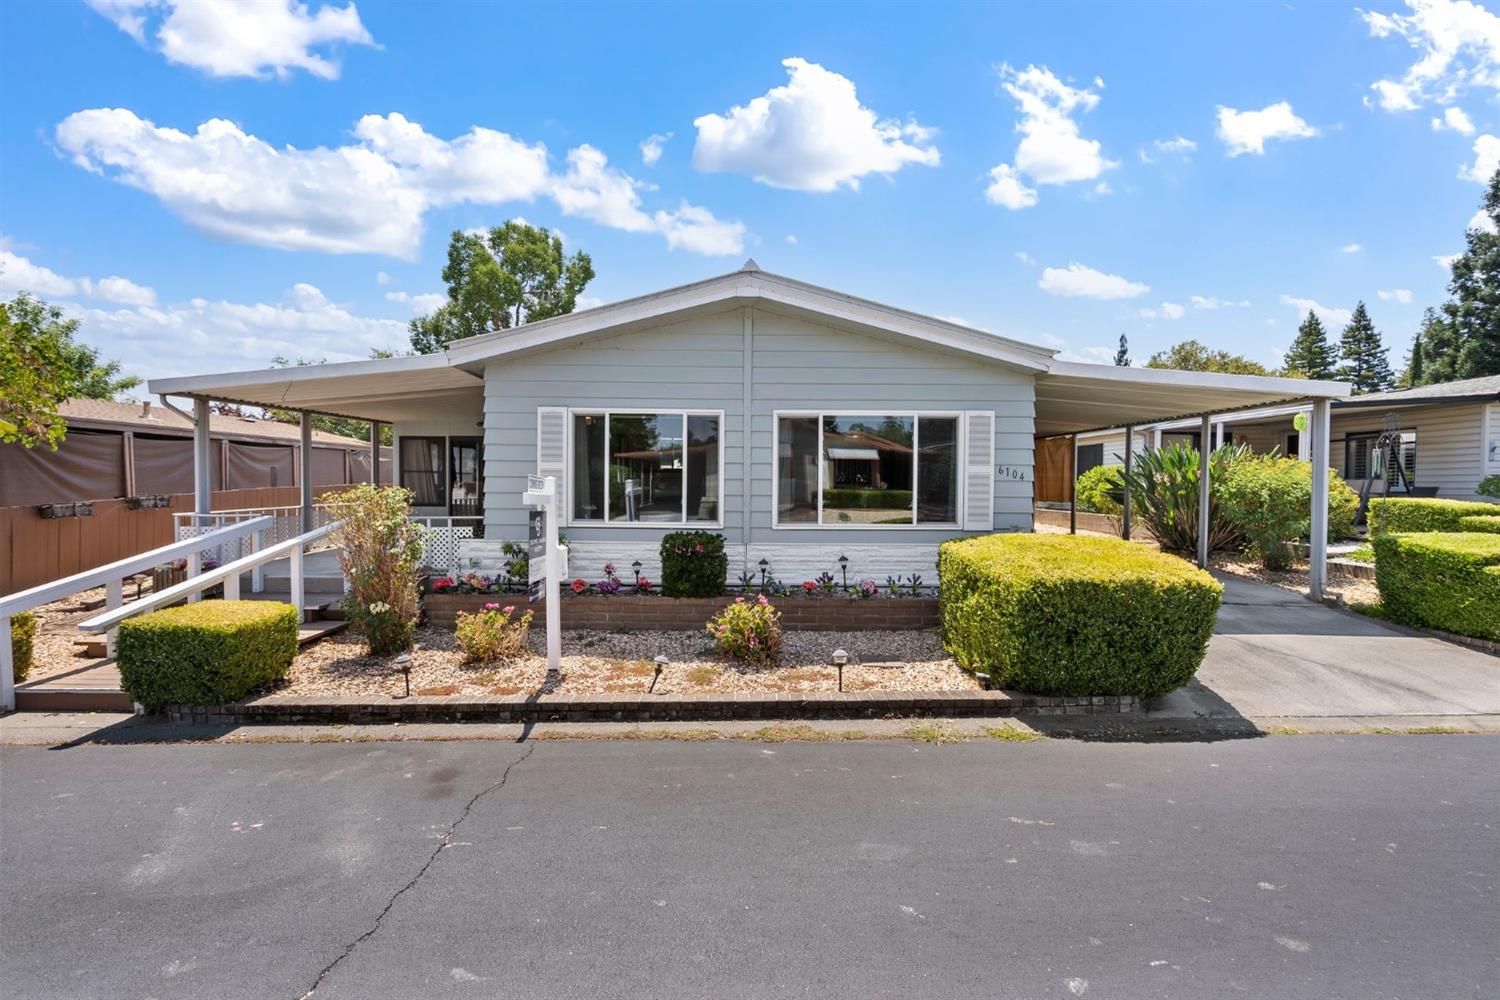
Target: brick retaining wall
<point>688,614</point>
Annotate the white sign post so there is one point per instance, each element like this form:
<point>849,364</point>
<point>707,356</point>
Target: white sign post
<point>541,496</point>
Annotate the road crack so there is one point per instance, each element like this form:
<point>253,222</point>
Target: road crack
<point>446,841</point>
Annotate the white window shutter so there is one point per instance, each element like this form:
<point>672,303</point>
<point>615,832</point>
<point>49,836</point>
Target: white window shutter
<point>979,470</point>
<point>552,452</point>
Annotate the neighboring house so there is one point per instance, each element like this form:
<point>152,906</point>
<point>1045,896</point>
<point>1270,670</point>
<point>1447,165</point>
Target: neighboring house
<point>137,449</point>
<point>801,423</point>
<point>1450,435</point>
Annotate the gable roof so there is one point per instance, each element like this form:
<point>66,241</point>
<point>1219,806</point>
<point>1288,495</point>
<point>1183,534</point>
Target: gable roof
<point>748,285</point>
<point>1486,387</point>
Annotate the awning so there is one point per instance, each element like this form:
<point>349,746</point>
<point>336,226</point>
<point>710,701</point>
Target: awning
<point>855,454</point>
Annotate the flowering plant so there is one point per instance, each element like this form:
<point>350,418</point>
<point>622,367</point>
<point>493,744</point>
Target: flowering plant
<point>867,589</point>
<point>808,586</point>
<point>442,585</point>
<point>748,630</point>
<point>607,586</point>
<point>642,585</point>
<point>495,633</point>
<point>379,550</point>
<point>580,585</point>
<point>825,582</point>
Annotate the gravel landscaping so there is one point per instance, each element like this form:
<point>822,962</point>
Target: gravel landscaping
<point>55,648</point>
<point>595,662</point>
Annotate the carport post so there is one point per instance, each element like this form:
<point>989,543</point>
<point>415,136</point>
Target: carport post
<point>1125,514</point>
<point>375,452</point>
<point>1317,548</point>
<point>306,455</point>
<point>1203,490</point>
<point>1073,489</point>
<point>202,476</point>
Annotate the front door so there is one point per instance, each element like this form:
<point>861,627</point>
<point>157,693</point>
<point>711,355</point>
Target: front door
<point>466,477</point>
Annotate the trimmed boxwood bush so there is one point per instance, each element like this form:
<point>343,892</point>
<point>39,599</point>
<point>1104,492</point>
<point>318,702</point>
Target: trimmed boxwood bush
<point>1424,513</point>
<point>22,638</point>
<point>1069,616</point>
<point>1269,498</point>
<point>693,564</point>
<point>208,653</point>
<point>1489,523</point>
<point>1449,581</point>
<point>857,499</point>
<point>1099,490</point>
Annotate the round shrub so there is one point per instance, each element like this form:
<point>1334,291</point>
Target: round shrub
<point>1098,490</point>
<point>1409,514</point>
<point>208,653</point>
<point>748,630</point>
<point>1269,499</point>
<point>22,640</point>
<point>1487,524</point>
<point>693,564</point>
<point>1069,616</point>
<point>1489,486</point>
<point>1448,581</point>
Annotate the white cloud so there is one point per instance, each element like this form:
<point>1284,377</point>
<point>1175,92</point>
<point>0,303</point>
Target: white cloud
<point>1078,281</point>
<point>1445,261</point>
<point>227,38</point>
<point>651,148</point>
<point>1481,221</point>
<point>1458,46</point>
<point>19,274</point>
<point>1025,258</point>
<point>1209,302</point>
<point>1486,160</point>
<point>1454,120</point>
<point>367,197</point>
<point>1177,145</point>
<point>381,278</point>
<point>811,134</point>
<point>1401,295</point>
<point>1328,314</point>
<point>1051,150</point>
<point>1167,310</point>
<point>1351,248</point>
<point>1007,189</point>
<point>791,239</point>
<point>1249,131</point>
<point>421,304</point>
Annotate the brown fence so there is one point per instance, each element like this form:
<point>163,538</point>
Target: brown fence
<point>37,550</point>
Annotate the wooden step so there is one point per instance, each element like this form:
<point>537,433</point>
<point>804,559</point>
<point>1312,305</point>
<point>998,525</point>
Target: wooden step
<point>312,631</point>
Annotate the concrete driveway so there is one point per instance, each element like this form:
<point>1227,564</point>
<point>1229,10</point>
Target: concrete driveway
<point>1276,654</point>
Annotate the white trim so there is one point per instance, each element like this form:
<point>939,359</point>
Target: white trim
<point>1295,388</point>
<point>606,412</point>
<point>188,385</point>
<point>879,410</point>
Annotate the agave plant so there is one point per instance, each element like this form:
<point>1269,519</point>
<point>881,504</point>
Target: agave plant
<point>1164,495</point>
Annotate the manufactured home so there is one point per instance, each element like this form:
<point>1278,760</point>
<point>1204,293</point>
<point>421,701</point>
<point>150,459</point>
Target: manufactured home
<point>803,424</point>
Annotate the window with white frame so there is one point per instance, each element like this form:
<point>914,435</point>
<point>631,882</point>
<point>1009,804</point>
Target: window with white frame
<point>880,470</point>
<point>636,467</point>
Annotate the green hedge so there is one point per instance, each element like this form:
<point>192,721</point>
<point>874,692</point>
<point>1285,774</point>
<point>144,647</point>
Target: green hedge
<point>22,639</point>
<point>1449,581</point>
<point>208,653</point>
<point>1489,523</point>
<point>1069,616</point>
<point>853,499</point>
<point>1099,489</point>
<point>693,564</point>
<point>1424,513</point>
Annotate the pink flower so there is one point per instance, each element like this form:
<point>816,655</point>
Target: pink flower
<point>509,609</point>
<point>762,600</point>
<point>697,548</point>
<point>492,607</point>
<point>754,640</point>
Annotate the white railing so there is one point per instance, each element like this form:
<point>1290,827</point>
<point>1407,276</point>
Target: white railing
<point>442,538</point>
<point>287,518</point>
<point>228,575</point>
<point>111,577</point>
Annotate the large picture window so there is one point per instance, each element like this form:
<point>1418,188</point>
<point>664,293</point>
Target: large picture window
<point>633,467</point>
<point>867,471</point>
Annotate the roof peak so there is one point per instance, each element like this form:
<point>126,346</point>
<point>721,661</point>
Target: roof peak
<point>749,265</point>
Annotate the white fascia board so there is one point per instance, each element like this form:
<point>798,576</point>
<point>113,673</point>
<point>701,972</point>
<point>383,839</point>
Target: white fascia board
<point>1262,384</point>
<point>1238,416</point>
<point>188,385</point>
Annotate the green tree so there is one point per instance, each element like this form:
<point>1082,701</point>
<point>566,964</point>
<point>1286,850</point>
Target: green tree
<point>1192,356</point>
<point>1311,356</point>
<point>1365,363</point>
<point>1122,356</point>
<point>40,366</point>
<point>514,274</point>
<point>1440,345</point>
<point>1411,376</point>
<point>1474,310</point>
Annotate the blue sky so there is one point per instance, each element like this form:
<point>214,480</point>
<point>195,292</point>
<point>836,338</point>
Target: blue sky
<point>206,186</point>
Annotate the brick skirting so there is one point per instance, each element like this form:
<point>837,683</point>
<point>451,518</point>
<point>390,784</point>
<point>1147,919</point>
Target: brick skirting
<point>288,709</point>
<point>689,614</point>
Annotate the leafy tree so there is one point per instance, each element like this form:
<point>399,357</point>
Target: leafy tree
<point>1192,356</point>
<point>40,366</point>
<point>1122,356</point>
<point>1474,310</point>
<point>1311,356</point>
<point>1364,355</point>
<point>1440,345</point>
<point>513,274</point>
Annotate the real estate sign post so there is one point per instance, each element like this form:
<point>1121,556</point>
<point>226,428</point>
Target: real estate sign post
<point>544,559</point>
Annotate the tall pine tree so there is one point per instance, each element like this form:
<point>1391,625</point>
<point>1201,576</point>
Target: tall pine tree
<point>1364,357</point>
<point>1122,356</point>
<point>1311,355</point>
<point>1440,344</point>
<point>1474,311</point>
<point>1412,376</point>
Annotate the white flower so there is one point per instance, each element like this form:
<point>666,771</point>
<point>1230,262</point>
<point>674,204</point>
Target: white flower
<point>379,607</point>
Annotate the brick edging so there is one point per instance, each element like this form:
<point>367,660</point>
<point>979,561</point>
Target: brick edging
<point>286,709</point>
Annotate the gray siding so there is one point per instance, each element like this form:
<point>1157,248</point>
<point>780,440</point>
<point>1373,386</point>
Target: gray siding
<point>1450,443</point>
<point>792,364</point>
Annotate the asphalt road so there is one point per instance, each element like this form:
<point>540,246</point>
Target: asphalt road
<point>1308,866</point>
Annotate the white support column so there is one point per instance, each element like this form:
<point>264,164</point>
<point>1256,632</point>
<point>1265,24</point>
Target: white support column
<point>1218,435</point>
<point>1204,492</point>
<point>1317,558</point>
<point>306,455</point>
<point>295,581</point>
<point>375,426</point>
<point>7,668</point>
<point>202,457</point>
<point>114,596</point>
<point>1129,460</point>
<point>1156,443</point>
<point>257,575</point>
